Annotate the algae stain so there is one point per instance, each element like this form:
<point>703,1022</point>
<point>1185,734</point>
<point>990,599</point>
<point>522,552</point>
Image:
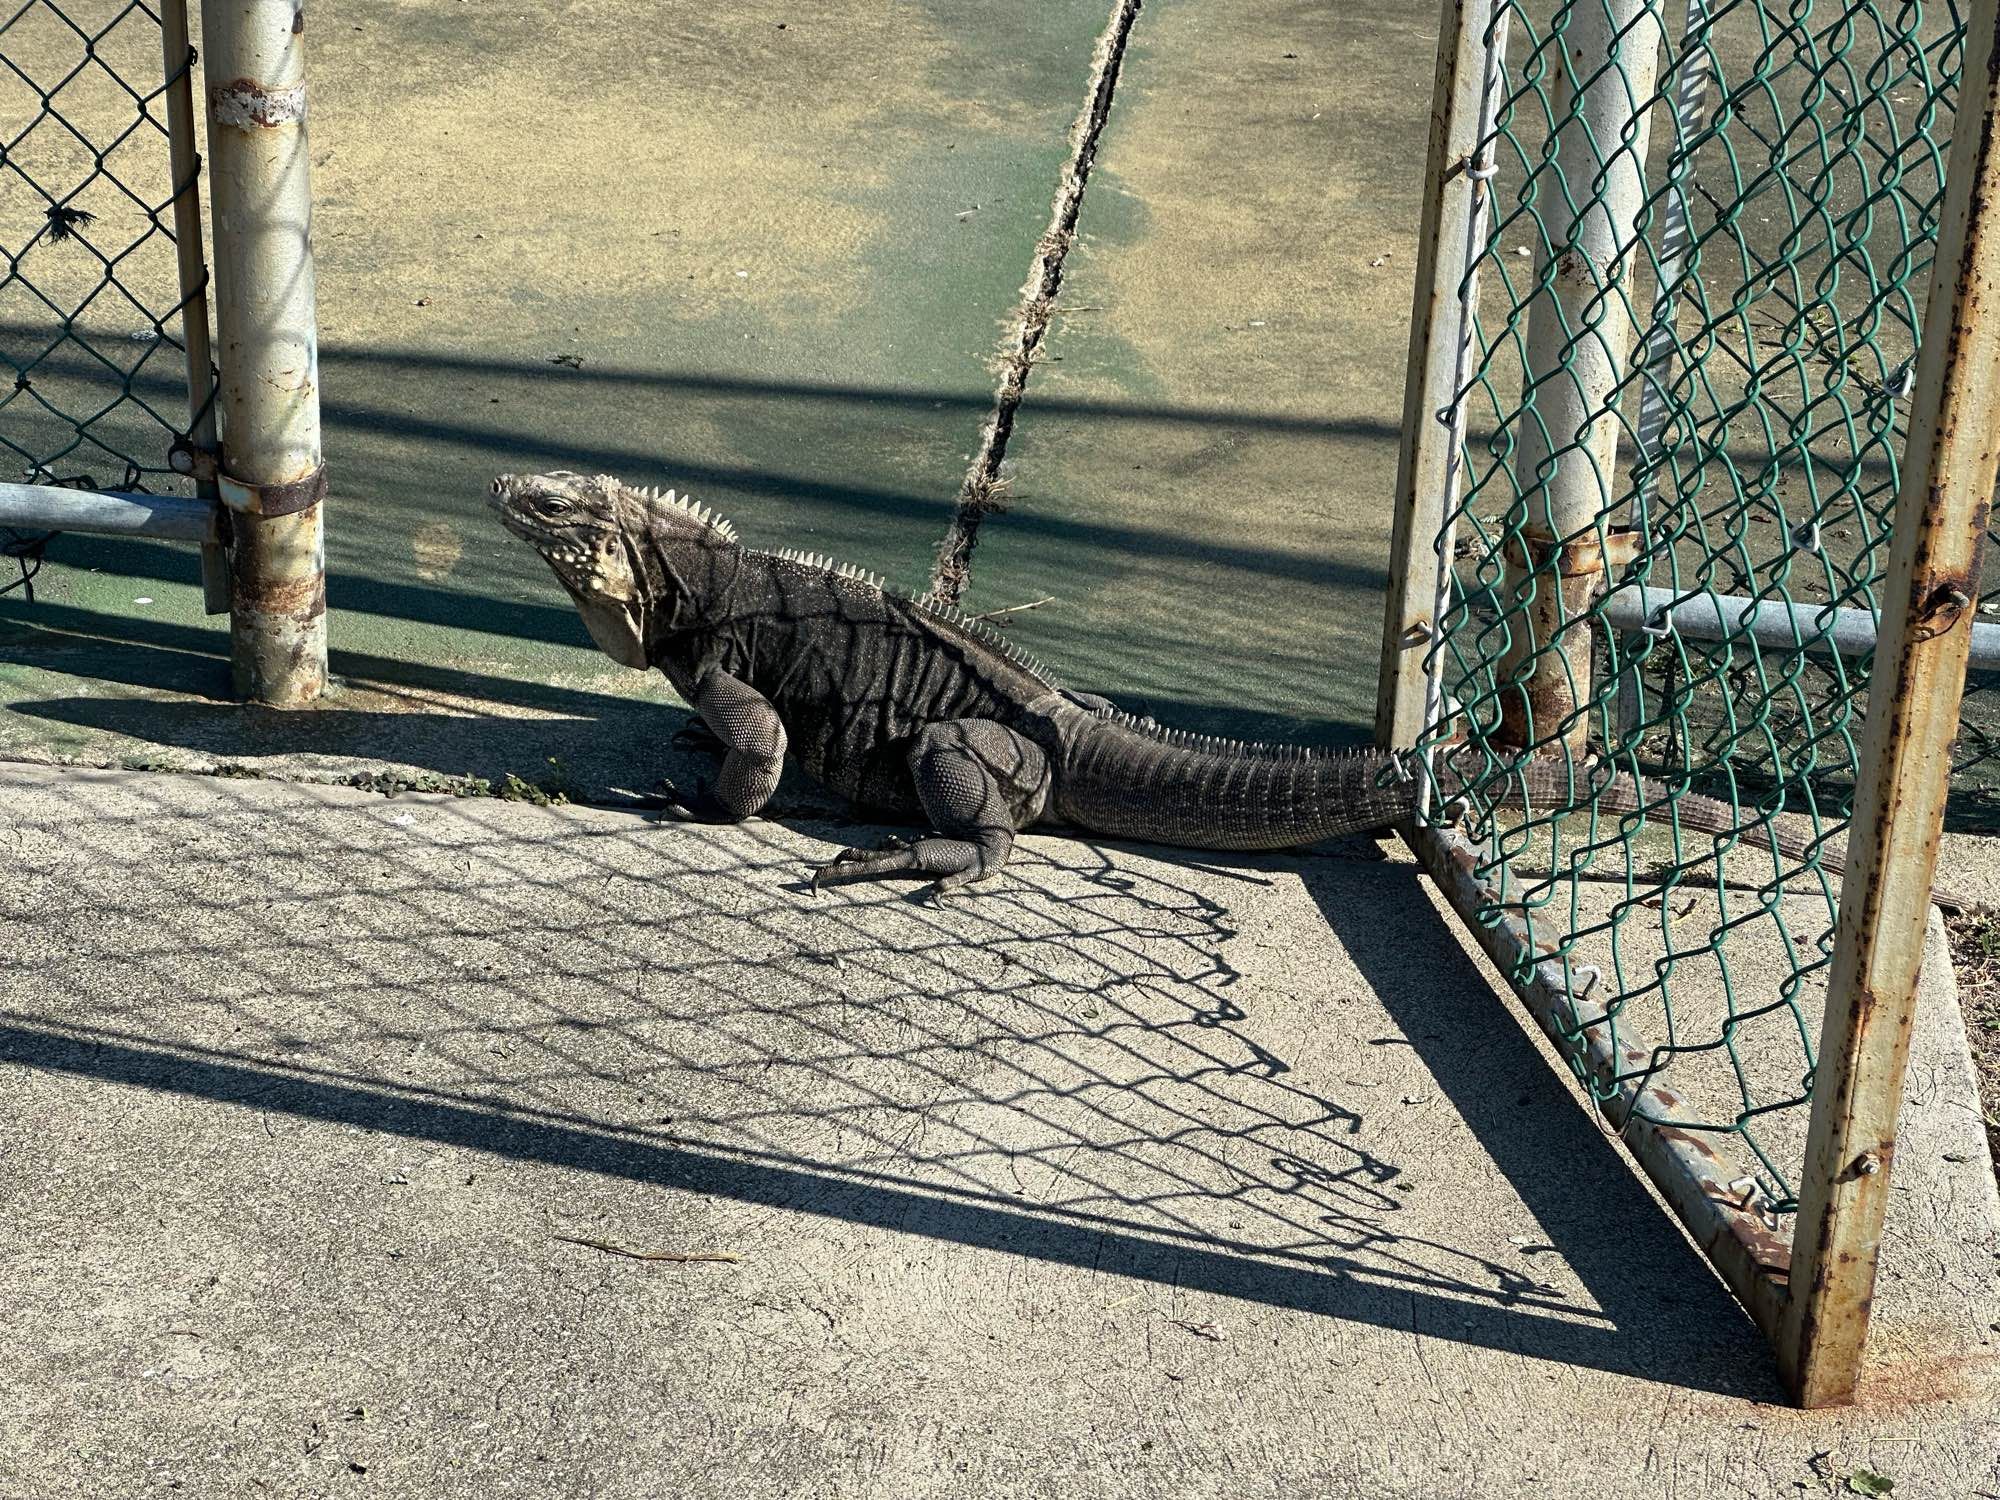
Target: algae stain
<point>437,549</point>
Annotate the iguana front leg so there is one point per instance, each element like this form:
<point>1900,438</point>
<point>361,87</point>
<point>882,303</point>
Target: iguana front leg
<point>752,737</point>
<point>698,739</point>
<point>978,781</point>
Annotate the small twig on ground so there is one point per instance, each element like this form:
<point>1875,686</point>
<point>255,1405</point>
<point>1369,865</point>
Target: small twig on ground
<point>1677,914</point>
<point>1013,609</point>
<point>673,1255</point>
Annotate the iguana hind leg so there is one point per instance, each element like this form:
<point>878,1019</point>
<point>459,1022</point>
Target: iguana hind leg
<point>752,738</point>
<point>978,781</point>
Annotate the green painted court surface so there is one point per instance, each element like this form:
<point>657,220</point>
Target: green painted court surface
<point>772,257</point>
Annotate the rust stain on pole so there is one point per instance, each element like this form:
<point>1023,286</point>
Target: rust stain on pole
<point>1561,580</point>
<point>273,475</point>
<point>248,105</point>
<point>1580,335</point>
<point>1913,704</point>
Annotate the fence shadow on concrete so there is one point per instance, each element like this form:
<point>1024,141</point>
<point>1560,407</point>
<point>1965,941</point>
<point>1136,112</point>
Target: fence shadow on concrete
<point>1087,1064</point>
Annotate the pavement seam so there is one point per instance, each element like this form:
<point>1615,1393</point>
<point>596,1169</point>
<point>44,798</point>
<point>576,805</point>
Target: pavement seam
<point>980,495</point>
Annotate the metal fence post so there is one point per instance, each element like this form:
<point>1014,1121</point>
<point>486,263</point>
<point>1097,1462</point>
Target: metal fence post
<point>185,164</point>
<point>1913,703</point>
<point>1580,331</point>
<point>1427,452</point>
<point>1658,350</point>
<point>272,477</point>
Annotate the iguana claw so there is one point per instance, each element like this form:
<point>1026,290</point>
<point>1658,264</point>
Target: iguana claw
<point>701,804</point>
<point>893,857</point>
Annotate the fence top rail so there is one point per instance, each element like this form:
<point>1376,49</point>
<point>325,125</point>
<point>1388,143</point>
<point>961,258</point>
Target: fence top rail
<point>48,507</point>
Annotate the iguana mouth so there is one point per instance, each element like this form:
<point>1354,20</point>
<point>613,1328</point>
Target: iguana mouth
<point>501,498</point>
<point>504,497</point>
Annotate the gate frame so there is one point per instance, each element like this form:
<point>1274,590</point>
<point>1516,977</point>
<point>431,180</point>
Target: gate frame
<point>1811,1297</point>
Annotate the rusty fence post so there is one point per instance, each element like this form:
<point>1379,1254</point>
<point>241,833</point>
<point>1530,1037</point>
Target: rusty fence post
<point>1913,703</point>
<point>185,163</point>
<point>272,477</point>
<point>1580,334</point>
<point>1453,197</point>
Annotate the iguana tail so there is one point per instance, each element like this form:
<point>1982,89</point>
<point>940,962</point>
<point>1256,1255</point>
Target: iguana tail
<point>1128,778</point>
<point>1550,783</point>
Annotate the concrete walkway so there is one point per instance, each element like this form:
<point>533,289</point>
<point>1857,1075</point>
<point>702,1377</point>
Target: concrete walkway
<point>337,1124</point>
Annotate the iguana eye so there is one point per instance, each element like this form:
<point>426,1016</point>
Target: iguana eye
<point>554,505</point>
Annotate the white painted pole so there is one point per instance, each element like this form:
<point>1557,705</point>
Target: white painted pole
<point>273,478</point>
<point>1580,332</point>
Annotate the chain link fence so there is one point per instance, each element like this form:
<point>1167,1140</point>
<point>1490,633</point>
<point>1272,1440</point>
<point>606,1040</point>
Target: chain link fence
<point>1699,296</point>
<point>93,357</point>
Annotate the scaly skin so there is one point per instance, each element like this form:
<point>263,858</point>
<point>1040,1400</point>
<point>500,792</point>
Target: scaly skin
<point>908,708</point>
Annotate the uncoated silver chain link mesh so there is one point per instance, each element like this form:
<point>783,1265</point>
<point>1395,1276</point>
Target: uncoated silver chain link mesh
<point>92,363</point>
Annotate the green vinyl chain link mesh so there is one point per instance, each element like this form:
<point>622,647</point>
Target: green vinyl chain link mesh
<point>93,384</point>
<point>1792,185</point>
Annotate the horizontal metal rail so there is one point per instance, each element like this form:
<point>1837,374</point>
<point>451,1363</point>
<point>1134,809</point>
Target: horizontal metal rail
<point>1772,622</point>
<point>1704,1191</point>
<point>48,507</point>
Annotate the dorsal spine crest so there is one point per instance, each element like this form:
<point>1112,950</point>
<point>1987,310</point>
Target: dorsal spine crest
<point>950,614</point>
<point>947,614</point>
<point>655,497</point>
<point>1209,744</point>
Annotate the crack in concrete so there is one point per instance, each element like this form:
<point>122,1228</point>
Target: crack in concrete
<point>982,493</point>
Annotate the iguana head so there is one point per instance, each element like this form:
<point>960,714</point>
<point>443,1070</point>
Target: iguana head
<point>594,530</point>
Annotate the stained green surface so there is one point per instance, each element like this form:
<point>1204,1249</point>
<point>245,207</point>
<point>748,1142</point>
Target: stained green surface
<point>1201,472</point>
<point>765,254</point>
<point>1203,467</point>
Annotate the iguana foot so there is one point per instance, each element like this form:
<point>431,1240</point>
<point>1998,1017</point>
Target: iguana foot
<point>700,804</point>
<point>696,736</point>
<point>896,856</point>
<point>950,863</point>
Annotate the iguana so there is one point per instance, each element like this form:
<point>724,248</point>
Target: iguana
<point>908,707</point>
